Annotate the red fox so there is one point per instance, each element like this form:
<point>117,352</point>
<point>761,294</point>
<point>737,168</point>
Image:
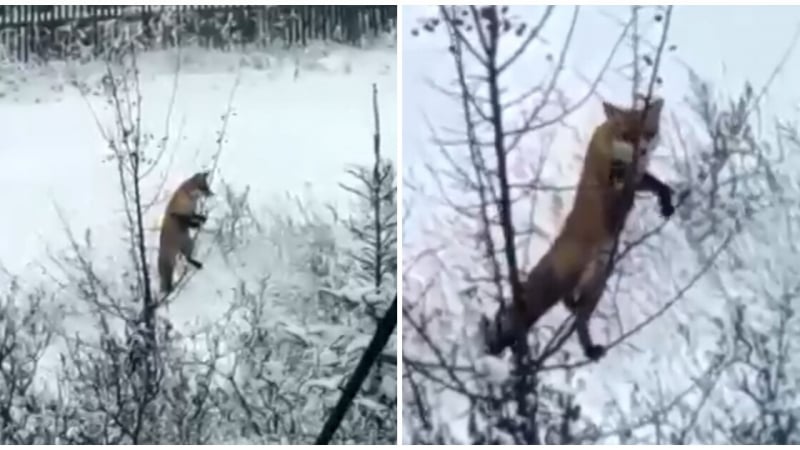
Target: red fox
<point>573,269</point>
<point>180,216</point>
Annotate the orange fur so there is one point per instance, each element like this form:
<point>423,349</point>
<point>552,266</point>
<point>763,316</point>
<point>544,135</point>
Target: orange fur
<point>574,266</point>
<point>179,217</point>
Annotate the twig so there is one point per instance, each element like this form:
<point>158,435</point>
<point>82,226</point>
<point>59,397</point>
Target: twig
<point>225,119</point>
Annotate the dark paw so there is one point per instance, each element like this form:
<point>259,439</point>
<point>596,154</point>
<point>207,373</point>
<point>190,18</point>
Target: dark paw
<point>197,221</point>
<point>595,352</point>
<point>617,172</point>
<point>667,209</point>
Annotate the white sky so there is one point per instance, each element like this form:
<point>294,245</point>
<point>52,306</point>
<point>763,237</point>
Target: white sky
<point>726,45</point>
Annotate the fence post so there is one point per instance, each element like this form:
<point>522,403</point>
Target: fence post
<point>26,30</point>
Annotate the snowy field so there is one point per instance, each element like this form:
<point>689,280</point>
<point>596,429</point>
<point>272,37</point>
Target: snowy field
<point>298,120</point>
<point>666,363</point>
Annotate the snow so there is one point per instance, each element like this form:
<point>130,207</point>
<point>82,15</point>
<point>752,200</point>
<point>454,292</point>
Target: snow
<point>440,250</point>
<point>299,119</point>
<point>287,135</point>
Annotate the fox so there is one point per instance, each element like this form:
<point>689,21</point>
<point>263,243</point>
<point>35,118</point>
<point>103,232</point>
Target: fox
<point>181,216</point>
<point>574,269</point>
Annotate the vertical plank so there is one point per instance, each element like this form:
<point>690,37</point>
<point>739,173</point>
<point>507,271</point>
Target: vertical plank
<point>260,27</point>
<point>30,29</point>
<point>307,24</point>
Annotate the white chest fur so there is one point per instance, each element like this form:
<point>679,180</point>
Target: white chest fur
<point>624,151</point>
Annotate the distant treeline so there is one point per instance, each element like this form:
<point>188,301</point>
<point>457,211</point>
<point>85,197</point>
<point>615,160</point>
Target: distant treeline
<point>69,31</point>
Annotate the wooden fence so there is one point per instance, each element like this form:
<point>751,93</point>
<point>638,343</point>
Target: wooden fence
<point>32,32</point>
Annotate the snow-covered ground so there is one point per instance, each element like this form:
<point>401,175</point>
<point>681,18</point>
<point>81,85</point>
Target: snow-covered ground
<point>299,119</point>
<point>288,133</point>
<point>440,248</point>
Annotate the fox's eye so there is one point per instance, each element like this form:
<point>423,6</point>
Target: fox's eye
<point>649,135</point>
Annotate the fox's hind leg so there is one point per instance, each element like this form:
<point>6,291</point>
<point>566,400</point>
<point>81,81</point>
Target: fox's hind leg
<point>583,308</point>
<point>187,249</point>
<point>584,301</point>
<point>544,287</point>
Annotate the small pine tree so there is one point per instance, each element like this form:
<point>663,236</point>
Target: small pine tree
<point>375,227</point>
<point>375,255</point>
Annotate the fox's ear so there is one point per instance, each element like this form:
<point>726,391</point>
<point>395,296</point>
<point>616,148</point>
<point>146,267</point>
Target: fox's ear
<point>201,182</point>
<point>654,109</point>
<point>612,111</point>
<point>656,106</point>
<point>206,175</point>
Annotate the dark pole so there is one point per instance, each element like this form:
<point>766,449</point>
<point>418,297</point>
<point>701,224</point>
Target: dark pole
<point>385,329</point>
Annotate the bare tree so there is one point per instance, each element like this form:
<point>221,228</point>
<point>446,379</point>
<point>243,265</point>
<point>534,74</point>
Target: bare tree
<point>268,370</point>
<point>124,380</point>
<point>27,329</point>
<point>509,412</point>
<point>371,354</point>
<point>746,184</point>
<point>521,403</point>
<point>375,228</point>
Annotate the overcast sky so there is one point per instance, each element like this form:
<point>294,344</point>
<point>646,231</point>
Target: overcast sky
<point>726,45</point>
<point>723,45</point>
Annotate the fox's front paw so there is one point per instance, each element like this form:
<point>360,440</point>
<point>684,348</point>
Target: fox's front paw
<point>594,352</point>
<point>616,175</point>
<point>667,209</point>
<point>667,201</point>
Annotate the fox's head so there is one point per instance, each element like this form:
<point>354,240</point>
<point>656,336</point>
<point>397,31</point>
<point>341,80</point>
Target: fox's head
<point>199,181</point>
<point>634,129</point>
